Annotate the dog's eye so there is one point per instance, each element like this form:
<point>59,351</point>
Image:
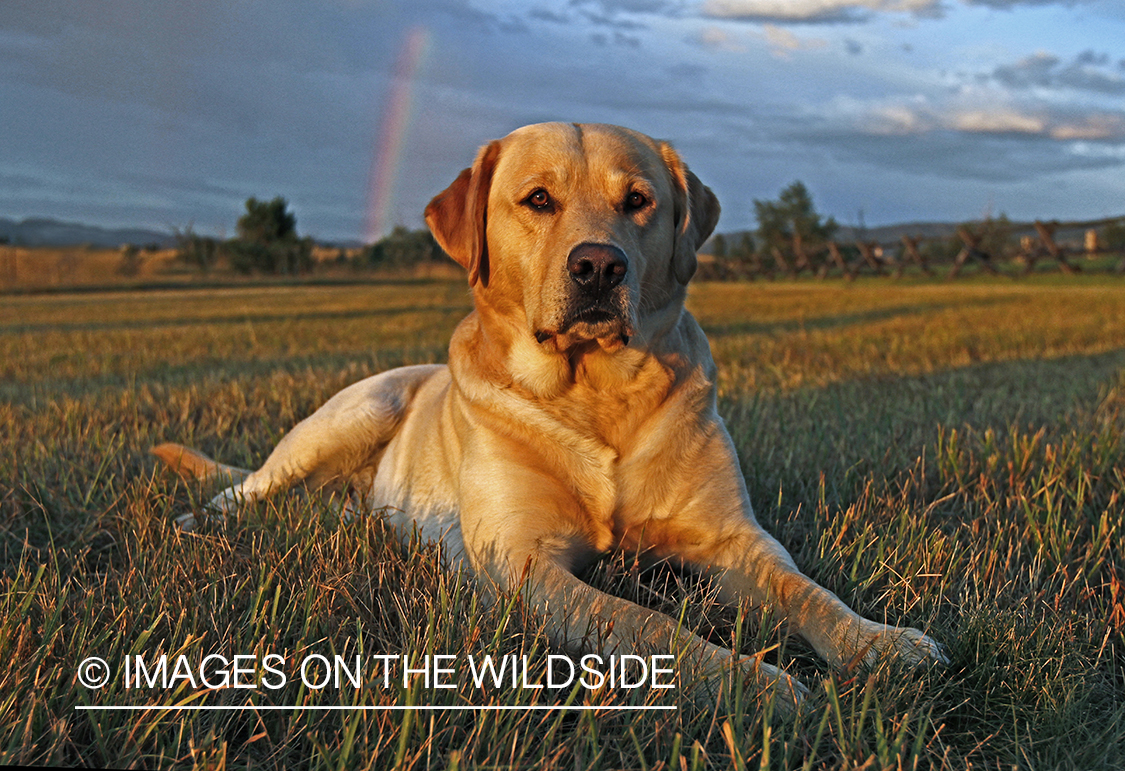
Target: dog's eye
<point>539,199</point>
<point>635,201</point>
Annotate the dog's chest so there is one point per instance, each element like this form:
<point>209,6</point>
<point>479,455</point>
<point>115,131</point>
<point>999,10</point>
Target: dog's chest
<point>631,435</point>
<point>612,406</point>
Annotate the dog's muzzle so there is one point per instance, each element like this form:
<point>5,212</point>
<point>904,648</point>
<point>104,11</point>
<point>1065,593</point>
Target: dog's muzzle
<point>597,308</point>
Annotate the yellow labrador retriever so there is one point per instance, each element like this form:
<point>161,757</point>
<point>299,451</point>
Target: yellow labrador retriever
<point>577,412</point>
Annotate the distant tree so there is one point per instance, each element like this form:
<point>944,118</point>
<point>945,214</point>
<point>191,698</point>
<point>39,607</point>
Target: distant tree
<point>743,249</point>
<point>719,246</point>
<point>793,212</point>
<point>267,222</point>
<point>267,240</point>
<point>402,248</point>
<point>996,236</point>
<point>1113,236</point>
<point>130,264</point>
<point>940,250</point>
<point>282,257</point>
<point>198,251</point>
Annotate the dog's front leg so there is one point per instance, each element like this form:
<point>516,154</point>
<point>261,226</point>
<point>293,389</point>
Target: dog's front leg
<point>751,564</point>
<point>522,534</point>
<point>345,437</point>
<point>582,619</point>
<point>713,528</point>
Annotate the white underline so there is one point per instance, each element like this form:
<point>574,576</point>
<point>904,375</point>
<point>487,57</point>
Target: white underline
<point>334,707</point>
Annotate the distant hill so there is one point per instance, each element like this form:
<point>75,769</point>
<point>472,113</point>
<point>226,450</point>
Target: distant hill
<point>43,231</point>
<point>891,233</point>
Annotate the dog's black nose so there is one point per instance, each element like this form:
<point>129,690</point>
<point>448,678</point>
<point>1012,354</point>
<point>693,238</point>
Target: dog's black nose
<point>597,268</point>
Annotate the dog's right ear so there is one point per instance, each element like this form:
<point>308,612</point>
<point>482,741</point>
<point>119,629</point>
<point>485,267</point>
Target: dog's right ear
<point>458,215</point>
<point>697,213</point>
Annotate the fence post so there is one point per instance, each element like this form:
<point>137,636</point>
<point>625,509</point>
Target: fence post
<point>971,249</point>
<point>1046,235</point>
<point>911,247</point>
<point>834,254</point>
<point>802,258</point>
<point>782,263</point>
<point>867,249</point>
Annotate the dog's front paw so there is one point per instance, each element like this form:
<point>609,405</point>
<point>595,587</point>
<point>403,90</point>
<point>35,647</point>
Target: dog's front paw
<point>187,522</point>
<point>910,646</point>
<point>226,502</point>
<point>230,500</point>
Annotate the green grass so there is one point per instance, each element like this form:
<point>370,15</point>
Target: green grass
<point>948,456</point>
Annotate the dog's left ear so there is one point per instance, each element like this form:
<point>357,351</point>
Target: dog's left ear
<point>697,213</point>
<point>458,215</point>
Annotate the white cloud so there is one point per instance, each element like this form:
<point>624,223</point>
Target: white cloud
<point>897,120</point>
<point>995,121</point>
<point>1092,127</point>
<point>719,39</point>
<point>917,116</point>
<point>783,42</point>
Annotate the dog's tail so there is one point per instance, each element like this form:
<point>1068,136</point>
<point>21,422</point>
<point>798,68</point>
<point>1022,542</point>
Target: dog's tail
<point>191,464</point>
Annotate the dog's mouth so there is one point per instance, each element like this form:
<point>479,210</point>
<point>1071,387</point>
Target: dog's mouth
<point>593,317</point>
<point>608,326</point>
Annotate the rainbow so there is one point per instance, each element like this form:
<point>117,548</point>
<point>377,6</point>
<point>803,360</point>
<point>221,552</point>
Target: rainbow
<point>387,161</point>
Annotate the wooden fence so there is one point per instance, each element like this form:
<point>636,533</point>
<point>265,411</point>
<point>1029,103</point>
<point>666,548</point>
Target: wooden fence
<point>1036,245</point>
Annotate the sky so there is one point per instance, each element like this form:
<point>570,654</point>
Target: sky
<point>165,114</point>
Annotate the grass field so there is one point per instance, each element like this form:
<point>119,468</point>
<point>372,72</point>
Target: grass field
<point>945,456</point>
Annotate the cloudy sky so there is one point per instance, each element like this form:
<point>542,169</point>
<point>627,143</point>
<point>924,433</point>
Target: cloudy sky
<point>164,114</point>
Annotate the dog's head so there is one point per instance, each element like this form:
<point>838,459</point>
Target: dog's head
<point>576,232</point>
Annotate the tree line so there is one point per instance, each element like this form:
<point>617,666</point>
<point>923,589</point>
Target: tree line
<point>791,234</point>
<point>267,243</point>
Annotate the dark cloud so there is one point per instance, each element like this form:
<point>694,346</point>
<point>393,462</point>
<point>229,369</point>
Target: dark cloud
<point>1093,57</point>
<point>955,155</point>
<point>1008,5</point>
<point>661,7</point>
<point>818,11</point>
<point>135,112</point>
<point>154,110</point>
<point>835,16</point>
<point>462,12</point>
<point>1085,80</point>
<point>625,14</point>
<point>543,14</point>
<point>615,38</point>
<point>1087,72</point>
<point>1036,70</point>
<point>847,11</point>
<point>617,22</point>
<point>685,72</point>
